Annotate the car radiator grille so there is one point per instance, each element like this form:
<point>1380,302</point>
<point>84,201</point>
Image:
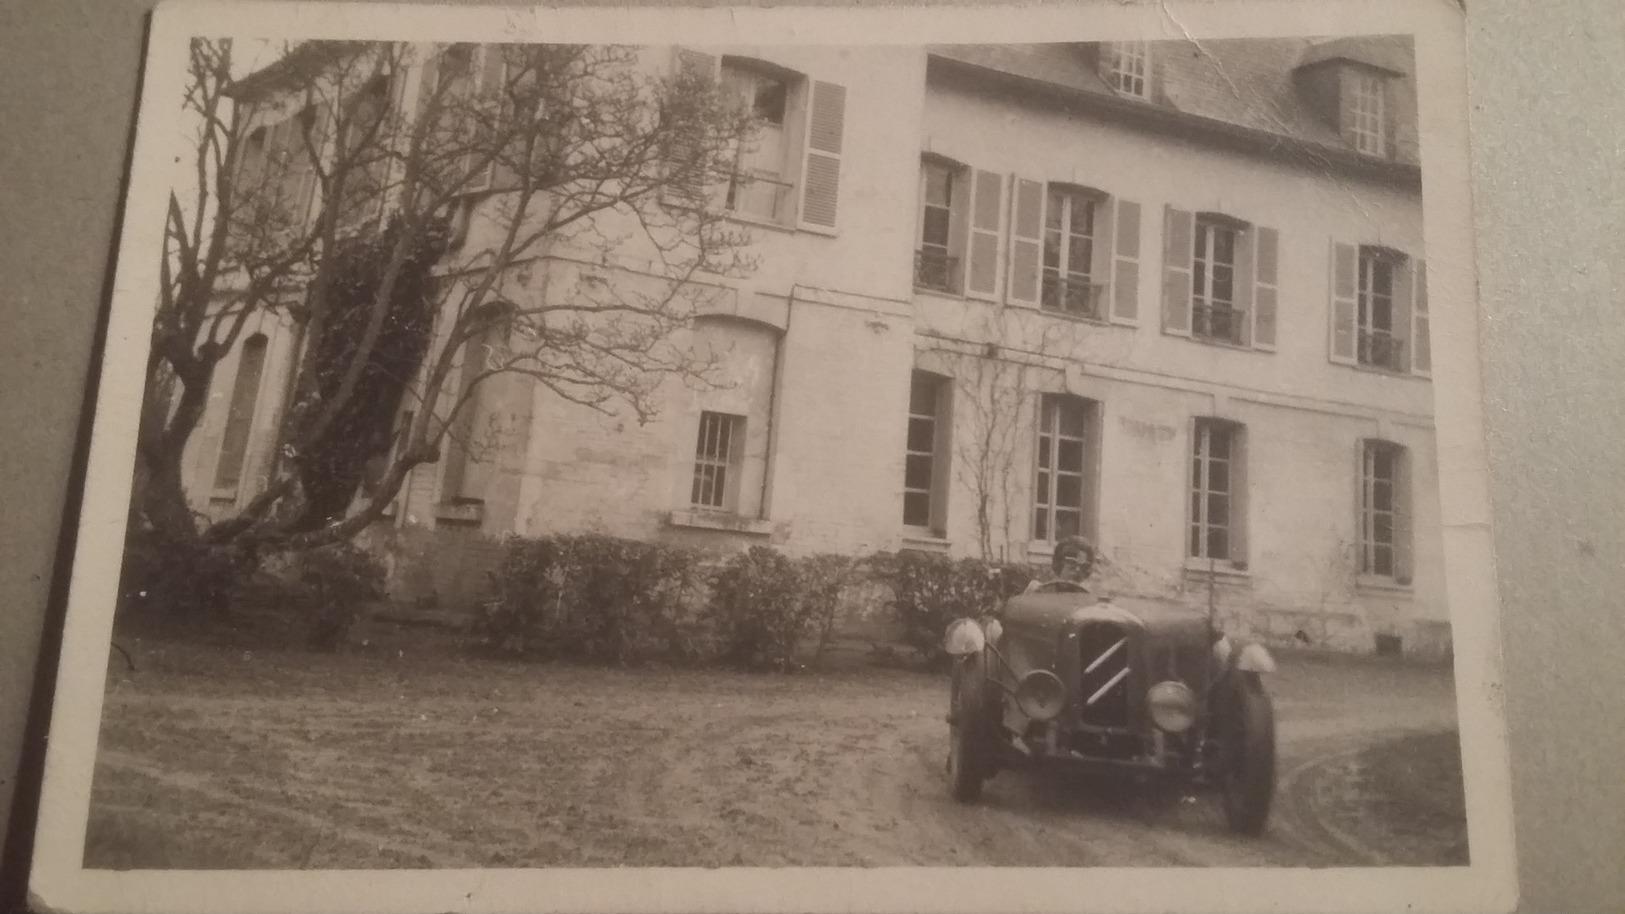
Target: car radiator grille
<point>1103,655</point>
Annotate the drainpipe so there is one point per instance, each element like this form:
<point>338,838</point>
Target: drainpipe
<point>764,510</point>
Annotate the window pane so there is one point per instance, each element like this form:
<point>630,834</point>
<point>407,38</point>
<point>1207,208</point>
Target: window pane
<point>1199,279</point>
<point>1041,524</point>
<point>1218,543</point>
<point>1083,217</point>
<point>1044,446</point>
<point>1383,560</point>
<point>1069,455</point>
<point>1072,418</point>
<point>937,185</point>
<point>1224,246</point>
<point>1078,258</point>
<point>1196,540</point>
<point>917,509</point>
<point>1383,278</point>
<point>1042,483</point>
<point>1069,490</point>
<point>1066,524</point>
<point>1218,476</point>
<point>922,395</point>
<point>1196,473</point>
<point>1223,290</point>
<point>921,434</point>
<point>1219,443</point>
<point>1382,528</point>
<point>935,229</point>
<point>1382,496</point>
<point>1218,510</point>
<point>1055,211</point>
<point>1381,464</point>
<point>918,472</point>
<point>1196,506</point>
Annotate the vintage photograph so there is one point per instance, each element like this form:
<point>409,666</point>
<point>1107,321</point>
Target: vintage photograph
<point>716,454</point>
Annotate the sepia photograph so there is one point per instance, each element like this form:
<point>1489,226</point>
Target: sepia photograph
<point>728,453</point>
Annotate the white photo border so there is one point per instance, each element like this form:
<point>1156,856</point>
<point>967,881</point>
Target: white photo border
<point>59,880</point>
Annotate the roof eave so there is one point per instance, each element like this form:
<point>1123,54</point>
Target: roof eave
<point>1186,125</point>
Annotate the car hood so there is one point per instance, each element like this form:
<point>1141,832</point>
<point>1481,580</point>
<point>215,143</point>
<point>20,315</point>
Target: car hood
<point>1051,612</point>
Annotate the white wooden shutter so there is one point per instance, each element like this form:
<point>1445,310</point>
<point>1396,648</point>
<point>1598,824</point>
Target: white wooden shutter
<point>688,190</point>
<point>987,208</point>
<point>1238,495</point>
<point>1264,287</point>
<point>1403,290</point>
<point>821,175</point>
<point>1345,265</point>
<point>485,89</point>
<point>1125,275</point>
<point>1421,330</point>
<point>1404,517</point>
<point>1179,246</point>
<point>1026,240</point>
<point>1241,285</point>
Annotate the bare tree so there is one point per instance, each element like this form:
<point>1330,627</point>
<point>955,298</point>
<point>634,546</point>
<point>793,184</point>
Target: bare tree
<point>995,385</point>
<point>387,154</point>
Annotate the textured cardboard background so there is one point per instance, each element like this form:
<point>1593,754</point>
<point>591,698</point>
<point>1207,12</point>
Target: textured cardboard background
<point>1548,130</point>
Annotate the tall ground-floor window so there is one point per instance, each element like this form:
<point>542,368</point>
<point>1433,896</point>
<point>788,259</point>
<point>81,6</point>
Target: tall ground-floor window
<point>1384,511</point>
<point>245,392</point>
<point>1062,483</point>
<point>1217,491</point>
<point>925,462</point>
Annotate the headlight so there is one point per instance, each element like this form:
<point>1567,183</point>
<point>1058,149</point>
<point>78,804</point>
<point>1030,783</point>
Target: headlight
<point>1040,695</point>
<point>1173,706</point>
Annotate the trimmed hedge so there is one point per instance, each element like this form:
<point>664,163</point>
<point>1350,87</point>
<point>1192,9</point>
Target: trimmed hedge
<point>609,600</point>
<point>929,590</point>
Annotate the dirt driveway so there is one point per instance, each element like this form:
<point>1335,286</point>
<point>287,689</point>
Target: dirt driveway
<point>214,758</point>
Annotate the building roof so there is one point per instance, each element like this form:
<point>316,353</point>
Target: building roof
<point>1241,93</point>
<point>292,69</point>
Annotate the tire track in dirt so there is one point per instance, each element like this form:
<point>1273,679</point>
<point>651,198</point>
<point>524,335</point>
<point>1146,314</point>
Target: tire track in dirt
<point>198,785</point>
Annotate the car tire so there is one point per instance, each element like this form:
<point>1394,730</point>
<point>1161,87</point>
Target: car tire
<point>968,747</point>
<point>1247,779</point>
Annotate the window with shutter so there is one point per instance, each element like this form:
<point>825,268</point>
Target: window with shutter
<point>1265,253</point>
<point>987,209</point>
<point>821,174</point>
<point>1178,231</point>
<point>245,393</point>
<point>1421,331</point>
<point>936,260</point>
<point>1382,309</point>
<point>1070,249</point>
<point>1126,262</point>
<point>760,186</point>
<point>1217,310</point>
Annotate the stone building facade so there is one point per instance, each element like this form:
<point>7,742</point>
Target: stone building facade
<point>1167,296</point>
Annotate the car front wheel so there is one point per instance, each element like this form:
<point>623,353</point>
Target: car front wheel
<point>968,748</point>
<point>1247,777</point>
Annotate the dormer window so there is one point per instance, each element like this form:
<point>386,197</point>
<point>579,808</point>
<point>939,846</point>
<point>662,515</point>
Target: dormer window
<point>1367,120</point>
<point>1126,66</point>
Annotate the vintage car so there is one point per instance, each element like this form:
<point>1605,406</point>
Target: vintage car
<point>1093,683</point>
